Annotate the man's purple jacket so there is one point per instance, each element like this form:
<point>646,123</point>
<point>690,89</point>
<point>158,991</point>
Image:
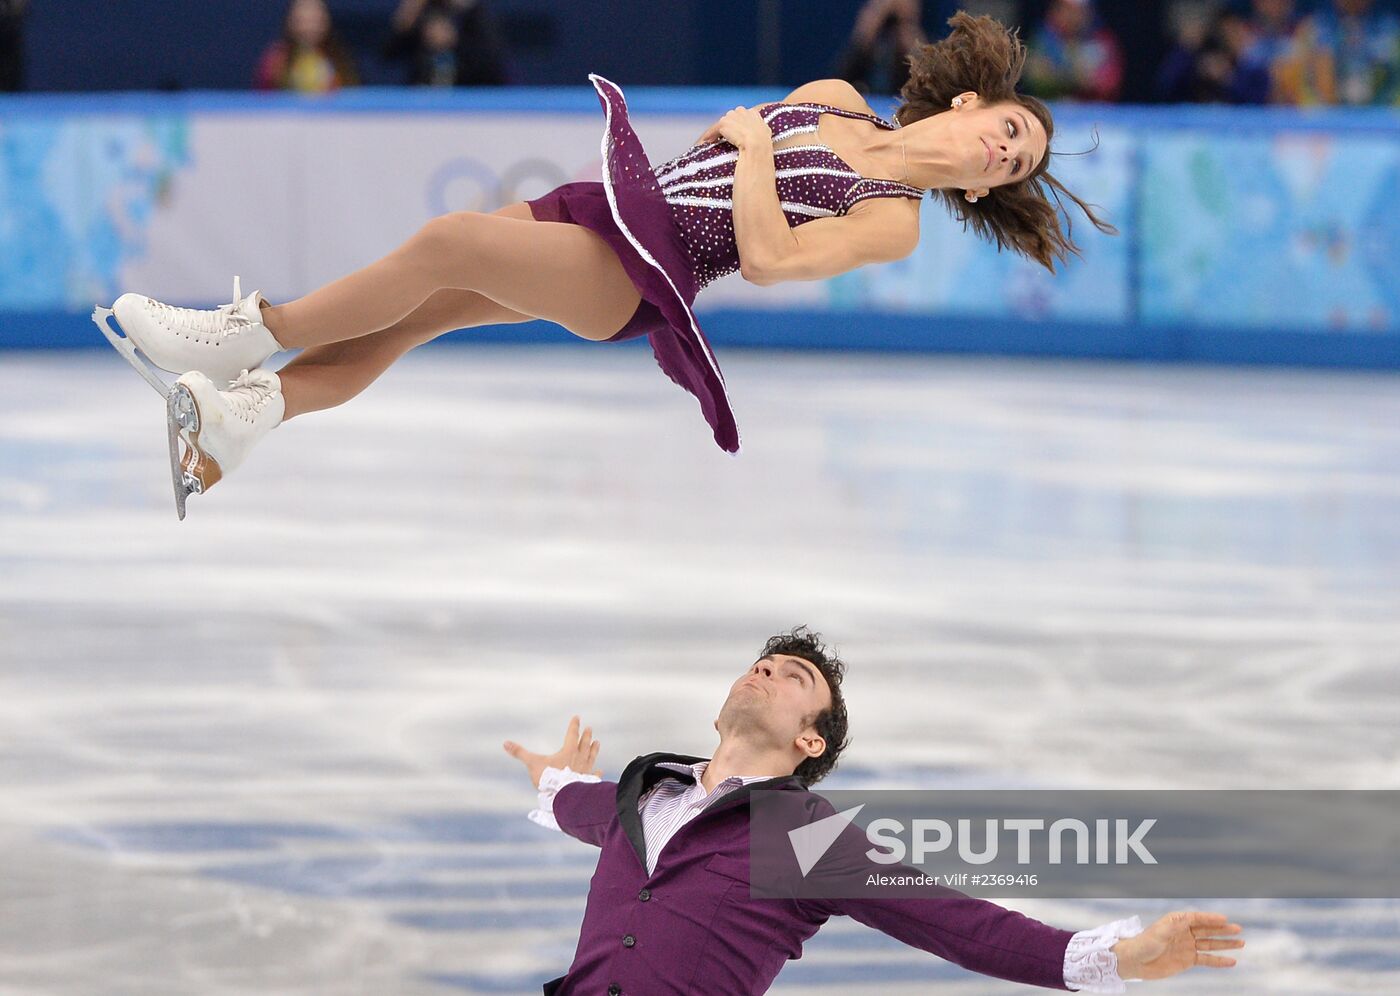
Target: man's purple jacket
<point>692,927</point>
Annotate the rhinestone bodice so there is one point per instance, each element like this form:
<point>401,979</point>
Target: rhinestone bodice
<point>813,182</point>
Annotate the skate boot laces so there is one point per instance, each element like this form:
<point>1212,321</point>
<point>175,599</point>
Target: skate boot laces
<point>249,394</point>
<point>223,320</point>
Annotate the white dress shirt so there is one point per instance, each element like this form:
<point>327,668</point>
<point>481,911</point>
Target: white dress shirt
<point>1090,964</point>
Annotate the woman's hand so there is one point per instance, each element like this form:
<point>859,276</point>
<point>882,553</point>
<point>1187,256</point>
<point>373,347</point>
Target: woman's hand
<point>1175,943</point>
<point>579,753</point>
<point>743,128</point>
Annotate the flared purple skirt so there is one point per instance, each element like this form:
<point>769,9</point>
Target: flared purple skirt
<point>629,212</point>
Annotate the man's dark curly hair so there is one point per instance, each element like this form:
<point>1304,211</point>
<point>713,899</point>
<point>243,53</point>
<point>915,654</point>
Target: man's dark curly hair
<point>831,721</point>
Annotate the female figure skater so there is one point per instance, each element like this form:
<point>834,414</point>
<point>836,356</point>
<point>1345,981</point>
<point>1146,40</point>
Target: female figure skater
<point>804,189</point>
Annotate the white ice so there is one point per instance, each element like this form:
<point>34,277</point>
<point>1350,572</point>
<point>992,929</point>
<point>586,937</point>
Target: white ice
<point>259,751</point>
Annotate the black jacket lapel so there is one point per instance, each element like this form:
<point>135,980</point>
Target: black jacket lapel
<point>636,778</point>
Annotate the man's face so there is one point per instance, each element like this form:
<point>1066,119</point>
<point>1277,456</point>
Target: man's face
<point>775,701</point>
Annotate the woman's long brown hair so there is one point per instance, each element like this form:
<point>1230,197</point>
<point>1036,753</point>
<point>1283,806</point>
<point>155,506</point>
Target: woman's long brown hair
<point>983,56</point>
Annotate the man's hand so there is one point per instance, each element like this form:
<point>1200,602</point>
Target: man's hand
<point>579,753</point>
<point>1175,943</point>
<point>742,128</point>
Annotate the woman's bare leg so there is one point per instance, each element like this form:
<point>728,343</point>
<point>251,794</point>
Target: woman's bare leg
<point>559,272</point>
<point>330,375</point>
<point>326,376</point>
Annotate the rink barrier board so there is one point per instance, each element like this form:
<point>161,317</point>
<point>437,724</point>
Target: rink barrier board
<point>851,322</point>
<point>880,332</point>
<point>660,100</point>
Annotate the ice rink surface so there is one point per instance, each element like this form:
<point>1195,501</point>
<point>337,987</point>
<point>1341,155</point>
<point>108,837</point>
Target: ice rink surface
<point>259,751</point>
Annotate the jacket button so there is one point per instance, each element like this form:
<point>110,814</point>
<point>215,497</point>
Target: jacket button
<point>628,940</point>
<point>614,990</point>
<point>644,895</point>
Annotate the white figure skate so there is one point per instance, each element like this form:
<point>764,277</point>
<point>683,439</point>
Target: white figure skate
<point>218,343</point>
<point>218,427</point>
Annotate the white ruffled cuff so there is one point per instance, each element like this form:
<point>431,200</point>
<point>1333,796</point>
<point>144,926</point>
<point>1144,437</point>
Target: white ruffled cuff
<point>1090,964</point>
<point>551,781</point>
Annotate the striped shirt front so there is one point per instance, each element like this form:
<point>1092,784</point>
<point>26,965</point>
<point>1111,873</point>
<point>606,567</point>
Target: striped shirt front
<point>670,804</point>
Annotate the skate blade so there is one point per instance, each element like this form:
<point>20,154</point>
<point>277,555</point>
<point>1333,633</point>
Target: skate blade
<point>181,415</point>
<point>192,472</point>
<point>103,319</point>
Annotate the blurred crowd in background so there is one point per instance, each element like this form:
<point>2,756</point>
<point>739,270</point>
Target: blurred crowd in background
<point>1221,51</point>
<point>440,43</point>
<point>1296,52</point>
<point>12,44</point>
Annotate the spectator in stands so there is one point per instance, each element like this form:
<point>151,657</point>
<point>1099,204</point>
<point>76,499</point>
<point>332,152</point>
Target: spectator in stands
<point>1273,24</point>
<point>876,59</point>
<point>447,43</point>
<point>1190,30</point>
<point>1216,60</point>
<point>1347,53</point>
<point>309,57</point>
<point>1074,56</point>
<point>12,43</point>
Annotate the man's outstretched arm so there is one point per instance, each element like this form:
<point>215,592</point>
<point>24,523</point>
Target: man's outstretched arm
<point>572,798</point>
<point>992,940</point>
<point>987,938</point>
<point>978,935</point>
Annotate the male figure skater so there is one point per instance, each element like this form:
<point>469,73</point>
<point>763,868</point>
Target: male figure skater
<point>669,907</point>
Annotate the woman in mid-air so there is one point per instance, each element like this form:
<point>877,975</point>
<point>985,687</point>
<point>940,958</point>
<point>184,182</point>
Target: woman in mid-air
<point>800,190</point>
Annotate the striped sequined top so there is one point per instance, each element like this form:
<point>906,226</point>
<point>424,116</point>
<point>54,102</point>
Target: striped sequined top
<point>813,182</point>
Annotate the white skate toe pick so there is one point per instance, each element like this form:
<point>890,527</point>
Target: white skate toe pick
<point>217,427</point>
<point>218,343</point>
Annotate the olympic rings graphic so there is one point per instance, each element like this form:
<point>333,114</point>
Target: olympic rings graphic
<point>466,184</point>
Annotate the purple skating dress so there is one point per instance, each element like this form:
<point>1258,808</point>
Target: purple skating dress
<point>672,227</point>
